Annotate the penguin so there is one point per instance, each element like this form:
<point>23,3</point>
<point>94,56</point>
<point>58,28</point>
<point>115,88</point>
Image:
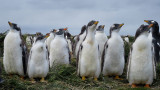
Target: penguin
<point>154,36</point>
<point>80,39</point>
<point>126,39</point>
<point>50,38</point>
<point>101,38</point>
<point>141,64</point>
<point>38,63</point>
<point>68,37</point>
<point>59,50</point>
<point>113,54</point>
<point>88,60</point>
<point>15,52</point>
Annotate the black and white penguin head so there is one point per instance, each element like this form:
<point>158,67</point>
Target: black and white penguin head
<point>92,25</point>
<point>116,27</point>
<point>53,31</point>
<point>155,25</point>
<point>40,38</point>
<point>83,29</point>
<point>150,22</point>
<point>100,28</point>
<point>143,30</point>
<point>61,31</point>
<point>14,26</point>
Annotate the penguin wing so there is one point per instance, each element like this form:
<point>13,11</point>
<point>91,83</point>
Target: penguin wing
<point>129,62</point>
<point>24,56</point>
<point>153,63</point>
<point>78,57</point>
<point>99,52</point>
<point>68,52</point>
<point>103,55</point>
<point>47,52</point>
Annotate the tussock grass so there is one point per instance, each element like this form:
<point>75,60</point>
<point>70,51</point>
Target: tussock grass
<point>65,77</point>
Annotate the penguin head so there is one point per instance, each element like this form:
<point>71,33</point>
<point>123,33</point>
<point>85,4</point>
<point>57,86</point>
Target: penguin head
<point>92,25</point>
<point>116,27</point>
<point>83,29</point>
<point>53,31</point>
<point>100,28</point>
<point>40,38</point>
<point>14,26</point>
<point>150,22</point>
<point>155,25</point>
<point>143,29</point>
<point>61,31</point>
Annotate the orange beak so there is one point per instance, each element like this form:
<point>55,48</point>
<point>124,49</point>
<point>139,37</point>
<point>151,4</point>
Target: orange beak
<point>65,29</point>
<point>10,24</point>
<point>146,21</point>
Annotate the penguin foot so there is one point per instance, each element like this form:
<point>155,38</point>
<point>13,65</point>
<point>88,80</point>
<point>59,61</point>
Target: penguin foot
<point>32,80</point>
<point>134,86</point>
<point>147,86</point>
<point>117,77</point>
<point>83,78</point>
<point>22,77</point>
<point>95,79</point>
<point>43,80</point>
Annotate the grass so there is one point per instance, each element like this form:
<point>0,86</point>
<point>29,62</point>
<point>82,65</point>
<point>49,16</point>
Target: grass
<point>65,77</point>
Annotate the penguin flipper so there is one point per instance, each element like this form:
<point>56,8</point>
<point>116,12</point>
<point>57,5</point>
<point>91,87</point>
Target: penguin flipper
<point>47,54</point>
<point>103,55</point>
<point>24,57</point>
<point>68,52</point>
<point>153,63</point>
<point>129,62</point>
<point>78,58</point>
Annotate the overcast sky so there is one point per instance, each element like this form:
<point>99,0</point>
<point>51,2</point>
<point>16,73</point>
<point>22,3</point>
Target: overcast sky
<point>43,15</point>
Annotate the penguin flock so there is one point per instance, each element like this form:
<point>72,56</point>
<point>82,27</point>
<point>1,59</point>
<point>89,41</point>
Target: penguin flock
<point>95,53</point>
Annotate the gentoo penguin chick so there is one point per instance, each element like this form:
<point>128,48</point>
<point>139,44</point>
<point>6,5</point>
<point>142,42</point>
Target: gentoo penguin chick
<point>126,39</point>
<point>88,59</point>
<point>101,38</point>
<point>68,36</point>
<point>59,50</point>
<point>38,64</point>
<point>80,39</point>
<point>113,54</point>
<point>141,66</point>
<point>50,38</point>
<point>15,52</point>
<point>155,38</point>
